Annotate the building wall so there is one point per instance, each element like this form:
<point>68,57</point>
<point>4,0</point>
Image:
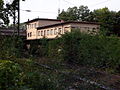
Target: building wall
<point>86,27</point>
<point>53,32</point>
<point>56,31</point>
<point>31,27</point>
<point>31,30</point>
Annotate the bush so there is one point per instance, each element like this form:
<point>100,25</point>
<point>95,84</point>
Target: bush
<point>10,75</point>
<point>37,81</point>
<point>54,49</point>
<point>38,48</point>
<point>11,48</point>
<point>27,77</point>
<point>35,77</point>
<point>88,50</point>
<point>70,46</point>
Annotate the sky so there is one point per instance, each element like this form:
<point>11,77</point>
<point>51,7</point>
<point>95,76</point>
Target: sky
<point>49,8</point>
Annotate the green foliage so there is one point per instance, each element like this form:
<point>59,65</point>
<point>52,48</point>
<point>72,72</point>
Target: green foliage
<point>110,20</point>
<point>35,77</point>
<point>79,14</point>
<point>10,47</point>
<point>71,46</point>
<point>10,75</point>
<point>1,4</point>
<point>25,75</point>
<point>37,80</point>
<point>38,48</point>
<point>4,18</point>
<point>89,50</point>
<point>54,49</point>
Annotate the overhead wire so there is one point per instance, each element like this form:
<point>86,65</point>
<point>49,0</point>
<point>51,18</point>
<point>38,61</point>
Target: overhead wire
<point>69,2</point>
<point>99,3</point>
<point>38,11</point>
<point>59,7</point>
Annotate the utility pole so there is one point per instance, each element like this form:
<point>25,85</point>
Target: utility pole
<point>59,7</point>
<point>17,7</point>
<point>14,23</point>
<point>18,18</point>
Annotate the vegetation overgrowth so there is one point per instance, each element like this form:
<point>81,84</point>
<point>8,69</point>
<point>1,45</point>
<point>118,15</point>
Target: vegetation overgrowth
<point>17,63</point>
<point>97,51</point>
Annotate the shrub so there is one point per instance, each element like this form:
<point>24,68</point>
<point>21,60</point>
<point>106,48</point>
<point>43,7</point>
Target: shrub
<point>54,49</point>
<point>70,46</point>
<point>36,78</point>
<point>38,48</point>
<point>10,75</point>
<point>11,48</point>
<point>27,77</point>
<point>89,50</point>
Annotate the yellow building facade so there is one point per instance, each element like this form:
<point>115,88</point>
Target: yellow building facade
<point>52,28</point>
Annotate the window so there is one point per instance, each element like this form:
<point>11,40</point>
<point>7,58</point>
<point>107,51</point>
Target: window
<point>55,31</point>
<point>44,32</point>
<point>35,25</point>
<point>47,32</point>
<point>94,29</point>
<point>60,31</point>
<point>28,34</point>
<point>41,33</point>
<point>97,28</point>
<point>51,32</point>
<point>32,25</point>
<point>27,26</point>
<point>66,29</point>
<point>38,33</point>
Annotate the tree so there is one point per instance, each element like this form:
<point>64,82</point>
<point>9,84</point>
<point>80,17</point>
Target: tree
<point>8,10</point>
<point>83,13</point>
<point>74,13</point>
<point>4,18</point>
<point>117,23</point>
<point>69,15</point>
<point>109,20</point>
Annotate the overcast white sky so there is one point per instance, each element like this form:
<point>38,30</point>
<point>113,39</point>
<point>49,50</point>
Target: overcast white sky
<point>49,8</point>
